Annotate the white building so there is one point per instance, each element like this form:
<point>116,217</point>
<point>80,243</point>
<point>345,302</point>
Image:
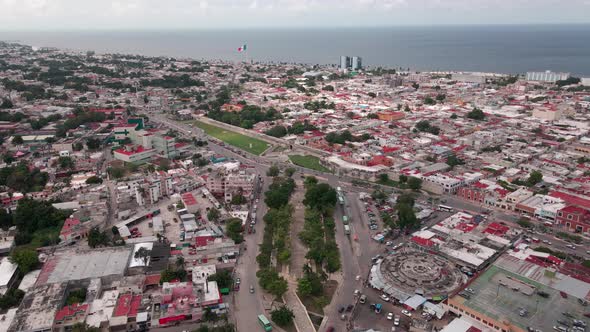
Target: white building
<point>546,76</point>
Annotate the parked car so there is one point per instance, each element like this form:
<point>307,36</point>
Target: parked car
<point>363,299</point>
<point>407,313</point>
<point>390,316</point>
<point>396,320</point>
<point>252,289</point>
<point>341,309</point>
<point>384,297</point>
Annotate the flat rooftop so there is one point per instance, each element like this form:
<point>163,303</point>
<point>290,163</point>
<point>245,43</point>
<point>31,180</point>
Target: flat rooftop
<point>37,309</point>
<point>503,303</point>
<point>74,265</point>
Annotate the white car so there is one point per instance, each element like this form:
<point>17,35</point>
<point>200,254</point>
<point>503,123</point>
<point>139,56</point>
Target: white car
<point>396,321</point>
<point>407,313</point>
<point>384,297</point>
<point>390,316</point>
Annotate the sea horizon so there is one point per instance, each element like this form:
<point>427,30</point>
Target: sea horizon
<point>502,48</point>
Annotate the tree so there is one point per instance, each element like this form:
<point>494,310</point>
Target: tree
<point>78,146</point>
<point>277,131</point>
<point>273,171</point>
<point>278,287</point>
<point>383,178</point>
<point>234,230</point>
<point>290,171</point>
<point>310,181</point>
<point>209,315</point>
<point>6,103</point>
<point>93,143</point>
<point>454,116</point>
<point>372,94</point>
<point>143,254</point>
<point>403,178</point>
<point>453,160</point>
<point>429,101</point>
<point>94,180</point>
<point>534,178</point>
<point>524,223</point>
<point>12,298</point>
<point>476,114</point>
<point>406,216</point>
<point>407,108</point>
<point>441,97</point>
<point>97,238</point>
<point>66,162</point>
<point>17,140</point>
<point>238,199</point>
<point>213,214</point>
<point>328,88</point>
<point>282,316</point>
<point>180,262</point>
<point>372,116</point>
<point>321,197</point>
<point>414,183</point>
<point>415,86</point>
<point>26,259</point>
<point>223,278</point>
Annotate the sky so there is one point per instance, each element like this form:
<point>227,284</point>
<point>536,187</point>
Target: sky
<point>237,14</point>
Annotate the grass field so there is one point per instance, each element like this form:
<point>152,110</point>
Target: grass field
<point>246,143</point>
<point>310,162</point>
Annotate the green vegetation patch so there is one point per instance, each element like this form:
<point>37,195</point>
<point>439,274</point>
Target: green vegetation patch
<point>310,162</point>
<point>246,143</point>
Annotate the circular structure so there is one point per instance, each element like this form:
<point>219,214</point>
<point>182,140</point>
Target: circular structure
<point>412,271</point>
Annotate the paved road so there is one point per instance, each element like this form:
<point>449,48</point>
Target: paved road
<point>248,306</point>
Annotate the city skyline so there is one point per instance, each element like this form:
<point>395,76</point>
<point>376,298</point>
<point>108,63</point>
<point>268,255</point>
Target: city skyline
<point>239,14</point>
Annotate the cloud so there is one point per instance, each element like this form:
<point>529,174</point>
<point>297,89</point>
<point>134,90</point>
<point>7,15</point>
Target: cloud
<point>57,14</point>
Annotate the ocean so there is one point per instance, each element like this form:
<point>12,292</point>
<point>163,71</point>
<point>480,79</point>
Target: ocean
<point>502,49</point>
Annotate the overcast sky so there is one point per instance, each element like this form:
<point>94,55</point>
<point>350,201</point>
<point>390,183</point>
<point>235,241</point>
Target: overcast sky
<point>214,14</point>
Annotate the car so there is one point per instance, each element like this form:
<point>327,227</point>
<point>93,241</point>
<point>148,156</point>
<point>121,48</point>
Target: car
<point>252,289</point>
<point>357,292</point>
<point>390,316</point>
<point>470,290</point>
<point>349,308</point>
<point>571,246</point>
<point>384,297</point>
<point>425,314</point>
<point>396,320</point>
<point>330,329</point>
<point>373,227</point>
<point>389,243</point>
<point>407,313</point>
<point>564,323</point>
<point>341,309</point>
<point>363,299</point>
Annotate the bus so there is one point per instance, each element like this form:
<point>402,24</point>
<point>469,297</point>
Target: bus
<point>445,208</point>
<point>264,322</point>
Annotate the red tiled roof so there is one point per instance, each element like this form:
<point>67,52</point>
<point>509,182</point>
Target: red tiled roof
<point>138,149</point>
<point>571,199</point>
<point>70,310</point>
<point>188,199</point>
<point>127,305</point>
<point>153,279</point>
<point>202,241</point>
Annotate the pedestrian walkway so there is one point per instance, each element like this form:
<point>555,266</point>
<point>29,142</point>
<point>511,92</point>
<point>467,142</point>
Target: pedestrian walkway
<point>302,321</point>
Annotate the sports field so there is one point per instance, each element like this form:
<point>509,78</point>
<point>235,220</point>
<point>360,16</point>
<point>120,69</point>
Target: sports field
<point>246,143</point>
<point>310,162</point>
